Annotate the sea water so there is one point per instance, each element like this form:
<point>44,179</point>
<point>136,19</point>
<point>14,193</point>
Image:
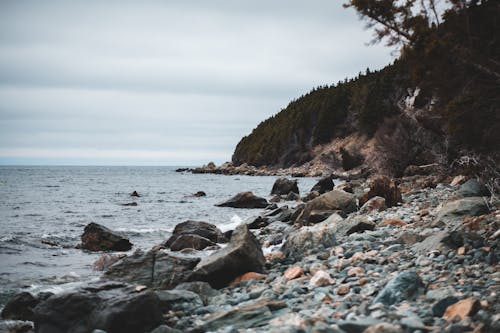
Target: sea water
<point>43,211</point>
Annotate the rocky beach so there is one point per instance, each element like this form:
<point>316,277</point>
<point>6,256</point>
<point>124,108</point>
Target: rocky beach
<point>414,254</point>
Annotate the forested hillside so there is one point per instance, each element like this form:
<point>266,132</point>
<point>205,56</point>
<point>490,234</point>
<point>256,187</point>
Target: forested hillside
<point>449,70</point>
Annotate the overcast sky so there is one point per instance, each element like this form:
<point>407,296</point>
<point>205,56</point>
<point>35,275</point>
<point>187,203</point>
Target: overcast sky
<point>162,82</point>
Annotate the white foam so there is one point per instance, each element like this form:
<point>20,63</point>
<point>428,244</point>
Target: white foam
<point>235,221</point>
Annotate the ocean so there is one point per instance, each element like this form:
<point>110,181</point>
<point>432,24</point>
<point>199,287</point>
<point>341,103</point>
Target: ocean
<point>43,211</point>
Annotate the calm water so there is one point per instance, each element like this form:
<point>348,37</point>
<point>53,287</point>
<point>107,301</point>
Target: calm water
<point>55,203</point>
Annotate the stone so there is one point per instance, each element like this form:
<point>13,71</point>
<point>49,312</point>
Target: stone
<point>321,278</point>
<point>96,237</point>
<point>165,329</point>
<point>458,180</point>
<point>209,232</point>
<point>199,194</point>
<point>283,186</point>
<point>190,241</point>
<point>355,271</point>
<point>440,307</point>
<point>178,300</point>
<point>134,194</point>
<point>293,272</point>
<point>464,308</point>
<point>384,187</point>
<point>374,204</point>
<point>105,261</point>
<point>357,325</point>
<point>330,201</point>
<point>343,289</point>
<point>292,196</point>
<point>154,269</point>
<point>202,289</point>
<point>20,307</point>
<point>472,188</point>
<point>309,239</point>
<point>242,254</point>
<point>310,196</point>
<point>130,204</point>
<point>110,306</point>
<point>324,185</point>
<point>402,287</point>
<point>393,222</point>
<point>456,210</point>
<point>245,200</point>
<point>247,277</point>
<point>384,328</point>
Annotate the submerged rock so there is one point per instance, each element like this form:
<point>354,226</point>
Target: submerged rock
<point>111,306</point>
<point>96,237</point>
<point>245,200</point>
<point>242,254</point>
<point>283,186</point>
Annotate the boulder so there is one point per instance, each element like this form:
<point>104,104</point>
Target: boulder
<point>458,209</point>
<point>376,203</point>
<point>461,309</point>
<point>20,307</point>
<point>202,289</point>
<point>134,194</point>
<point>383,187</point>
<point>330,201</point>
<point>199,194</point>
<point>96,237</point>
<point>109,306</point>
<point>242,254</point>
<point>283,186</point>
<point>155,269</point>
<point>178,300</point>
<point>292,196</point>
<point>472,188</point>
<point>324,185</point>
<point>402,287</point>
<point>308,239</point>
<point>245,200</point>
<point>194,234</point>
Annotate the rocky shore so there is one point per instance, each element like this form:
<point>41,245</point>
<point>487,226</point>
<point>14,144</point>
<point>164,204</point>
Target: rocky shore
<point>417,254</point>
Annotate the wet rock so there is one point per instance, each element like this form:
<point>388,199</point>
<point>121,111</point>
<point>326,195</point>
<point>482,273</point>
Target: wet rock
<point>242,254</point>
<point>134,194</point>
<point>402,287</point>
<point>199,194</point>
<point>283,186</point>
<point>472,188</point>
<point>330,201</point>
<point>456,210</point>
<point>178,300</point>
<point>250,315</point>
<point>383,187</point>
<point>112,307</point>
<point>155,269</point>
<point>245,200</point>
<point>376,203</point>
<point>130,204</point>
<point>324,185</point>
<point>190,241</point>
<point>292,196</point>
<point>307,239</point>
<point>208,232</point>
<point>461,309</point>
<point>96,237</point>
<point>20,307</point>
<point>310,196</point>
<point>257,222</point>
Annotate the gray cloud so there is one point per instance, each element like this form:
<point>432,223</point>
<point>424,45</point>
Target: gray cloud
<point>175,78</point>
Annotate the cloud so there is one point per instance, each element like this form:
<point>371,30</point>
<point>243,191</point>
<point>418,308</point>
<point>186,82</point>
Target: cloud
<point>164,75</point>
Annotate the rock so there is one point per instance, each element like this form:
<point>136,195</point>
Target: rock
<point>199,194</point>
<point>458,180</point>
<point>383,187</point>
<point>242,254</point>
<point>293,272</point>
<point>202,289</point>
<point>321,279</point>
<point>393,222</point>
<point>464,308</point>
<point>384,328</point>
<point>96,237</point>
<point>440,307</point>
<point>112,307</point>
<point>154,269</point>
<point>207,232</point>
<point>134,194</point>
<point>105,261</point>
<point>472,188</point>
<point>310,196</point>
<point>343,289</point>
<point>330,201</point>
<point>130,204</point>
<point>376,203</point>
<point>20,307</point>
<point>292,196</point>
<point>178,300</point>
<point>324,185</point>
<point>283,186</point>
<point>357,325</point>
<point>247,277</point>
<point>307,239</point>
<point>257,222</point>
<point>456,210</point>
<point>244,316</point>
<point>431,243</point>
<point>402,287</point>
<point>165,329</point>
<point>245,200</point>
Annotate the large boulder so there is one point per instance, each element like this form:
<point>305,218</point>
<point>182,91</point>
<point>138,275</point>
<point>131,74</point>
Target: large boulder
<point>458,209</point>
<point>111,306</point>
<point>20,307</point>
<point>242,254</point>
<point>96,237</point>
<point>324,185</point>
<point>194,234</point>
<point>383,187</point>
<point>283,186</point>
<point>245,200</point>
<point>402,287</point>
<point>331,201</point>
<point>472,188</point>
<point>156,269</point>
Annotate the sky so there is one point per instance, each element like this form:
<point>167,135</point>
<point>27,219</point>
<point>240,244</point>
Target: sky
<point>162,82</point>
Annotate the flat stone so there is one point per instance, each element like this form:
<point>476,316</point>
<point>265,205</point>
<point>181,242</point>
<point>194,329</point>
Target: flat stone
<point>464,308</point>
<point>293,272</point>
<point>321,278</point>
